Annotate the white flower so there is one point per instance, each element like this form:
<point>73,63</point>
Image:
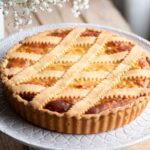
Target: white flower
<point>22,14</point>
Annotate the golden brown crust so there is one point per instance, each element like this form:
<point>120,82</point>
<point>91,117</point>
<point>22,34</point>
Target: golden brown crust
<point>83,67</point>
<point>94,123</point>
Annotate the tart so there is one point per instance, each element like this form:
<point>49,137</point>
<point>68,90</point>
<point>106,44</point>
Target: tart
<point>77,80</point>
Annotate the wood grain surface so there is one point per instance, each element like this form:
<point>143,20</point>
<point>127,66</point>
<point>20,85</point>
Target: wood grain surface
<point>101,12</point>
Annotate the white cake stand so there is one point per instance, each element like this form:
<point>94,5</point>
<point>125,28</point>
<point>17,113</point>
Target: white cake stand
<point>12,125</point>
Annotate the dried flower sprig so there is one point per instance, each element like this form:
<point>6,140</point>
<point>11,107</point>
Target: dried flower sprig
<point>22,9</point>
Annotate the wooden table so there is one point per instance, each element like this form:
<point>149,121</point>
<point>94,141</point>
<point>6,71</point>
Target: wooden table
<point>101,12</point>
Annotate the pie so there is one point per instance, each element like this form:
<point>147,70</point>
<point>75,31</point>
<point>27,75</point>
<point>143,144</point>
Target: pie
<point>77,80</point>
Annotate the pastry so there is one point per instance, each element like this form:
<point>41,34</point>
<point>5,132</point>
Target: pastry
<point>77,80</point>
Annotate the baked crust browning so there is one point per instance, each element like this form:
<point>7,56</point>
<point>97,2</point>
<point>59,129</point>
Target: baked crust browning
<point>77,80</point>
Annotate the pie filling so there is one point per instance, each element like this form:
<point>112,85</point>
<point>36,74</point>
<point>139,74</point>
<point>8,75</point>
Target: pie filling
<point>77,50</point>
<point>59,105</point>
<point>143,83</point>
<point>20,63</point>
<point>36,48</point>
<point>90,32</point>
<point>43,82</point>
<point>115,46</point>
<point>101,67</point>
<point>59,33</point>
<point>144,63</point>
<point>27,96</point>
<point>83,84</point>
<point>108,104</point>
<point>58,67</point>
<point>62,105</point>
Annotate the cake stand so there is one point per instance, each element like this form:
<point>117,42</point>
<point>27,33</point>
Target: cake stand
<point>12,125</point>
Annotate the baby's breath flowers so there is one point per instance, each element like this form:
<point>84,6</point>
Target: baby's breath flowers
<point>22,9</point>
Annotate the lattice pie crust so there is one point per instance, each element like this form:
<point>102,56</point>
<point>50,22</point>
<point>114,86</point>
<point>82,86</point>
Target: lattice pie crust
<point>77,80</point>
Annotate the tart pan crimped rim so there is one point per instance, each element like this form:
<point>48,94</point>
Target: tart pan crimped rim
<point>88,124</point>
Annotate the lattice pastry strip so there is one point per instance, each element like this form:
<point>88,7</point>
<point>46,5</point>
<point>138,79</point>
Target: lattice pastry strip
<point>43,40</point>
<point>123,92</point>
<point>24,55</point>
<point>74,93</point>
<point>49,58</point>
<point>94,75</point>
<point>17,46</point>
<point>45,37</point>
<point>113,54</point>
<point>120,39</point>
<point>12,71</point>
<point>5,60</point>
<point>69,59</point>
<point>28,88</point>
<point>16,54</point>
<point>103,87</point>
<point>138,73</point>
<point>116,57</point>
<point>127,93</point>
<point>58,74</point>
<point>71,73</point>
<point>89,76</point>
<point>132,74</point>
<point>81,41</point>
<point>66,59</point>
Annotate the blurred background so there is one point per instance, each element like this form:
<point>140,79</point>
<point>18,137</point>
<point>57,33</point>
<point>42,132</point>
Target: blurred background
<point>129,15</point>
<point>137,14</point>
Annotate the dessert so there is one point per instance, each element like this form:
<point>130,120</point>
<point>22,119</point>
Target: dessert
<point>77,80</point>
